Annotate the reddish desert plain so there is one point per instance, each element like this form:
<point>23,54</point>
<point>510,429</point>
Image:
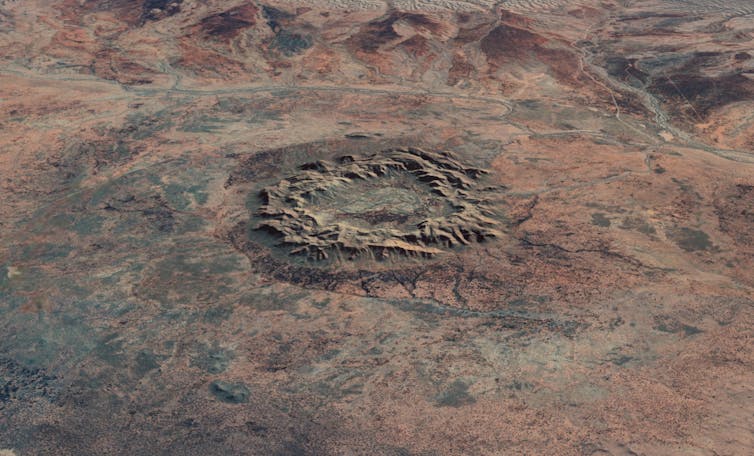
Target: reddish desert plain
<point>361,227</point>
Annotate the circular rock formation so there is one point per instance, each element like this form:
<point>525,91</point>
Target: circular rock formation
<point>405,201</point>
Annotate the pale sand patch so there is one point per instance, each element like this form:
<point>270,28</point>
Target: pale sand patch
<point>12,272</point>
<point>667,136</point>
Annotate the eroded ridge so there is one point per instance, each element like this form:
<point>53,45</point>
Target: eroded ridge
<point>291,209</point>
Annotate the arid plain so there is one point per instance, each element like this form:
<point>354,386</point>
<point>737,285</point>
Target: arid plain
<point>409,227</point>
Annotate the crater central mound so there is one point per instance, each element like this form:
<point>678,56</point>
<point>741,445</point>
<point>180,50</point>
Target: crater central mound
<point>404,201</point>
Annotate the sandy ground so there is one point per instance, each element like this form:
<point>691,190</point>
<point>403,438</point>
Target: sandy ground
<point>142,313</point>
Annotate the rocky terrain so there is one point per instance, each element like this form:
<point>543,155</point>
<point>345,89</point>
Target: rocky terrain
<point>293,209</point>
<point>413,227</point>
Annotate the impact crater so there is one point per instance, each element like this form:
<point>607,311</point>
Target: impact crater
<point>403,201</point>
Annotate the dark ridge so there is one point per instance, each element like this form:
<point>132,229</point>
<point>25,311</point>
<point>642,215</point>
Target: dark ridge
<point>158,4</point>
<point>229,23</point>
<point>275,17</point>
<point>375,35</point>
<point>379,32</point>
<point>417,45</point>
<point>696,96</point>
<point>648,15</point>
<point>506,42</point>
<point>154,10</point>
<point>471,34</point>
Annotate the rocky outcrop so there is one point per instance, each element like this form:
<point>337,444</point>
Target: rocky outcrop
<point>288,210</point>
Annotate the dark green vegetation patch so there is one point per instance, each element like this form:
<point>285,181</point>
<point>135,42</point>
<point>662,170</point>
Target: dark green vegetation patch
<point>691,240</point>
<point>232,393</point>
